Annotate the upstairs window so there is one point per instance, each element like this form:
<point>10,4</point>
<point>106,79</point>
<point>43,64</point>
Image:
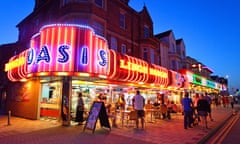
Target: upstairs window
<point>99,3</point>
<point>152,55</point>
<point>99,28</point>
<point>113,43</point>
<point>123,49</point>
<point>172,48</point>
<point>145,54</point>
<point>80,0</point>
<point>174,65</point>
<point>146,32</point>
<point>122,20</point>
<point>66,2</point>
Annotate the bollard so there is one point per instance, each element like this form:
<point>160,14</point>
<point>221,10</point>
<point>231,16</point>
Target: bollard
<point>9,117</point>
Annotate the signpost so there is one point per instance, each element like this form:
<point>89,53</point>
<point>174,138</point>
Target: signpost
<point>97,110</point>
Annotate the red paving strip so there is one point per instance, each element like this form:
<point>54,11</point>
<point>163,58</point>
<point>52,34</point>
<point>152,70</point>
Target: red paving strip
<point>162,131</point>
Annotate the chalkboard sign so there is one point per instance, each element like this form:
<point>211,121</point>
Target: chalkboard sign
<point>97,110</point>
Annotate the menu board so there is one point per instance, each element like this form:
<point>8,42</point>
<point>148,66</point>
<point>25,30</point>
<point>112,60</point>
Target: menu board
<point>97,110</point>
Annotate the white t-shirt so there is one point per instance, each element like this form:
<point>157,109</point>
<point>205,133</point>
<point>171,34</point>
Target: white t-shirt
<point>139,102</point>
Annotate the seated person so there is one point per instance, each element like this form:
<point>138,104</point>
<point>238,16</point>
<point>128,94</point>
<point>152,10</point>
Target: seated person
<point>171,108</point>
<point>156,103</point>
<point>163,108</point>
<point>111,113</point>
<point>174,108</point>
<point>148,105</point>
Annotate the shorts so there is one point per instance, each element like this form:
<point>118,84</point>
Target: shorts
<point>202,113</point>
<point>140,113</point>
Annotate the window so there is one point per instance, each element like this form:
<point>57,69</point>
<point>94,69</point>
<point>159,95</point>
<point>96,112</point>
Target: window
<point>122,20</point>
<point>113,43</point>
<point>183,54</point>
<point>80,0</point>
<point>152,55</point>
<point>146,32</point>
<point>123,49</point>
<point>172,49</point>
<point>99,28</point>
<point>174,65</point>
<point>159,60</point>
<point>145,54</point>
<point>66,2</point>
<point>99,3</point>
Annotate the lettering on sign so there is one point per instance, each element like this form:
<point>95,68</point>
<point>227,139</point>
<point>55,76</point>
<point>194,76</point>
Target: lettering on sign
<point>15,63</point>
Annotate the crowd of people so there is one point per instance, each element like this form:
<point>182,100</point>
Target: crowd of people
<point>195,109</point>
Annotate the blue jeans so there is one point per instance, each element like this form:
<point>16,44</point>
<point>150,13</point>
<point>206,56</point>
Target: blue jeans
<point>187,118</point>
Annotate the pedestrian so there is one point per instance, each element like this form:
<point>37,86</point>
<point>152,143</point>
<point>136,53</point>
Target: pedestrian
<point>80,109</point>
<point>187,111</point>
<point>232,102</point>
<point>203,109</point>
<point>138,102</point>
<point>195,101</point>
<point>209,99</point>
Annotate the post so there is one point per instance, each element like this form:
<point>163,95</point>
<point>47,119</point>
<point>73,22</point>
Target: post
<point>9,117</point>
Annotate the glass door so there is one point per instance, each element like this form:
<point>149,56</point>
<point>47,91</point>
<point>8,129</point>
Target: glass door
<point>50,100</point>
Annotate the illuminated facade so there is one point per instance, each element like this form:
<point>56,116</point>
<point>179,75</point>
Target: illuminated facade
<point>90,47</point>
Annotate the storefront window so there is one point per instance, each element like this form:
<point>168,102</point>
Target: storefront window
<point>50,102</point>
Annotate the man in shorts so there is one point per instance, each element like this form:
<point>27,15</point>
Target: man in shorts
<point>203,109</point>
<point>138,102</point>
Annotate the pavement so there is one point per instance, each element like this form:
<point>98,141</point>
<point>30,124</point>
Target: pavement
<point>25,131</point>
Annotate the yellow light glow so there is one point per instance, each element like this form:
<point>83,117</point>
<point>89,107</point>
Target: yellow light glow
<point>102,76</point>
<point>15,63</point>
<point>29,75</point>
<point>43,73</point>
<point>141,83</point>
<point>62,73</point>
<point>23,80</point>
<point>133,66</point>
<point>84,74</point>
<point>42,81</point>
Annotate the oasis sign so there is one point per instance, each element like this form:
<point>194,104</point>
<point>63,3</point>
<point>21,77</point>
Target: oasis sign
<point>61,48</point>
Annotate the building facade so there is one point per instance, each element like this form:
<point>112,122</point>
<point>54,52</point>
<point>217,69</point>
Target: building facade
<point>96,47</point>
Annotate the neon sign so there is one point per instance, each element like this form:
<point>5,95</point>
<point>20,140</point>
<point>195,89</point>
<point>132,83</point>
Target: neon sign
<point>15,63</point>
<point>133,66</point>
<point>157,72</point>
<point>127,68</point>
<point>67,49</point>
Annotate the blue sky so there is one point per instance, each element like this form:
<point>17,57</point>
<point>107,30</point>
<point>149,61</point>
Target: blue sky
<point>209,28</point>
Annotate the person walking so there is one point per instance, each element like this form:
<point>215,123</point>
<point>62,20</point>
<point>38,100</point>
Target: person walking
<point>80,109</point>
<point>138,102</point>
<point>195,112</point>
<point>209,100</point>
<point>187,110</point>
<point>203,109</point>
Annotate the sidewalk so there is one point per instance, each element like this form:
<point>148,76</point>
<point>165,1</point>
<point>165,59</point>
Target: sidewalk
<point>162,131</point>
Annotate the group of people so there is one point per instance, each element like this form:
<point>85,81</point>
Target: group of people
<point>196,109</point>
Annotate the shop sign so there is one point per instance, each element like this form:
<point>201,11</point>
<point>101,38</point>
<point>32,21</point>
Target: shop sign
<point>72,49</point>
<point>19,61</point>
<point>62,48</point>
<point>131,69</point>
<point>210,84</point>
<point>197,79</point>
<point>176,79</point>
